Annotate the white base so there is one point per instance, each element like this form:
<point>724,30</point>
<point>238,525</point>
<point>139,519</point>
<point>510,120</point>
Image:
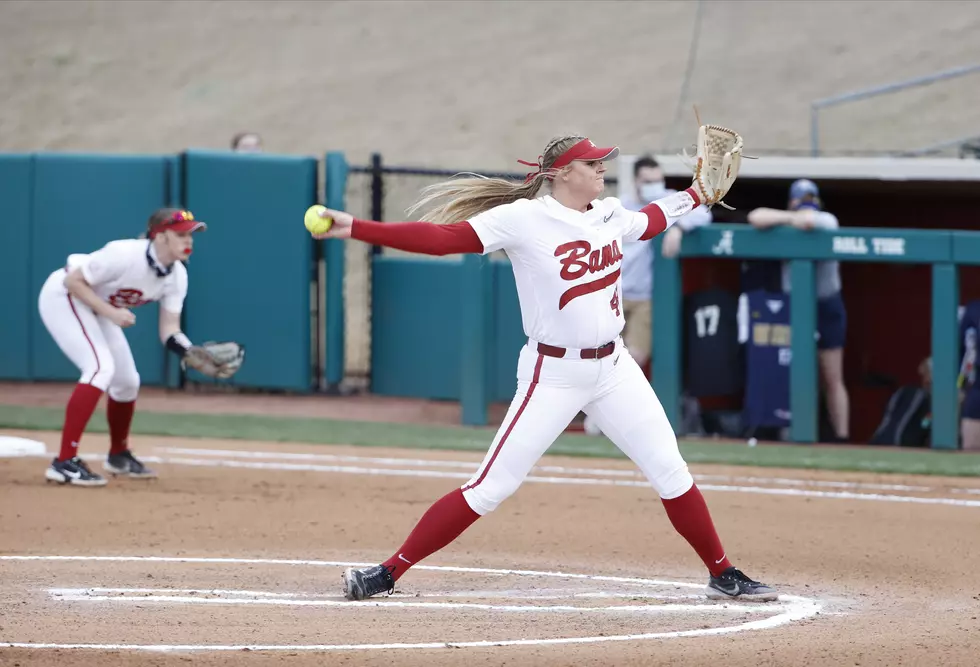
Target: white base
<point>11,447</point>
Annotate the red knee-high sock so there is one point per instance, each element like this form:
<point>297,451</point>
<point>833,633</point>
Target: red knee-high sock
<point>441,524</point>
<point>80,407</point>
<point>119,414</point>
<point>690,516</point>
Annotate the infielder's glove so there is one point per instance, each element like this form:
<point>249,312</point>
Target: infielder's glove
<point>215,359</point>
<point>719,157</point>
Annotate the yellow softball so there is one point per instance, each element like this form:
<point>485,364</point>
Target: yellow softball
<point>314,223</point>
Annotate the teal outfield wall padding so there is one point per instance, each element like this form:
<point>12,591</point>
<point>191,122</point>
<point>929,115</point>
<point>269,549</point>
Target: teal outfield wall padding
<point>507,333</point>
<point>172,374</point>
<point>475,313</point>
<point>251,271</point>
<point>81,202</point>
<point>445,330</point>
<point>335,187</point>
<point>415,327</point>
<point>15,269</point>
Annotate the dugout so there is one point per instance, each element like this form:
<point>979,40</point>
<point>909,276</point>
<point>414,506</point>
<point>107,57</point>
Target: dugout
<point>888,304</point>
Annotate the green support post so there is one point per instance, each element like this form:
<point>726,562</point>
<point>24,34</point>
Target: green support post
<point>475,309</point>
<point>803,366</point>
<point>667,332</point>
<point>945,355</point>
<point>335,190</point>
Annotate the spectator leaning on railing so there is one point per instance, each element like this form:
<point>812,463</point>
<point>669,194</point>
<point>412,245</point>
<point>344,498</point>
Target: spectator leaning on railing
<point>805,212</point>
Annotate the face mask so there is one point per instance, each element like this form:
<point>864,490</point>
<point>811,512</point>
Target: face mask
<point>652,191</point>
<point>807,204</point>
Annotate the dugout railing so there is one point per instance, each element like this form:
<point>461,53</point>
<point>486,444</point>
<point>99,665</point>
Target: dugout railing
<point>944,251</point>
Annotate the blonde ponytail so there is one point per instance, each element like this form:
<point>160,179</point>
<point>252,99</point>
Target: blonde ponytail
<point>462,198</point>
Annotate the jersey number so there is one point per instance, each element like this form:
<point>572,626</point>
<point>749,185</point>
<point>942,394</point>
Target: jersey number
<point>614,302</point>
<point>706,319</point>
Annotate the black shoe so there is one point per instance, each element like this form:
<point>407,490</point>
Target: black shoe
<point>732,584</point>
<point>128,465</point>
<point>361,584</point>
<point>73,471</point>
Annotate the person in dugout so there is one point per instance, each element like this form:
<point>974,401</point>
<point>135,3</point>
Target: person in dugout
<point>805,211</point>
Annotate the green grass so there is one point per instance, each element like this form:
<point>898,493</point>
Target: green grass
<point>375,434</point>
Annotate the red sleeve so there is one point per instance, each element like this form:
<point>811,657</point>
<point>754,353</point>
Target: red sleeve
<point>657,220</point>
<point>422,237</point>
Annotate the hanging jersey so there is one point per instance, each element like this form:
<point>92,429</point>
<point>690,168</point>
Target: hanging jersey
<point>120,273</point>
<point>712,359</point>
<point>764,327</point>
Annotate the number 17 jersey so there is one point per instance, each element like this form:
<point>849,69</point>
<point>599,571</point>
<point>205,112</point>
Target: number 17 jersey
<point>712,355</point>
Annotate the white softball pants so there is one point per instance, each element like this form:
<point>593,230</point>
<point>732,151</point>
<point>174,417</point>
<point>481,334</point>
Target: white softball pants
<point>550,392</point>
<point>97,346</point>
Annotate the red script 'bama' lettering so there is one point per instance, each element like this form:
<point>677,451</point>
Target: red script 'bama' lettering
<point>574,265</point>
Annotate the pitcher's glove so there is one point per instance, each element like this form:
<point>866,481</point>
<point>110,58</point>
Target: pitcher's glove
<point>719,157</point>
<point>215,359</point>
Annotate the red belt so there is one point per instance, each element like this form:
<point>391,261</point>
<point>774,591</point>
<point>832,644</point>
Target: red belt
<point>591,353</point>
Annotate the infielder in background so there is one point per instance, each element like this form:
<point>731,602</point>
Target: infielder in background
<point>565,246</point>
<point>86,305</point>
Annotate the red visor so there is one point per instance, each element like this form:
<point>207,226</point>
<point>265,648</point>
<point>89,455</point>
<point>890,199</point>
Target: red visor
<point>180,221</point>
<point>585,150</point>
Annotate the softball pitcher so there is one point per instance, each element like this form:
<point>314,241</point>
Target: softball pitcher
<point>565,246</point>
<point>85,306</point>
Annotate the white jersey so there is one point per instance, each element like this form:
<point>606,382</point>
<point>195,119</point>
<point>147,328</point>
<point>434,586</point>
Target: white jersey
<point>567,265</point>
<point>120,273</point>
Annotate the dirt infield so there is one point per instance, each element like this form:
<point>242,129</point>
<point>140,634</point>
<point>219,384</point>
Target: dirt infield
<point>876,570</point>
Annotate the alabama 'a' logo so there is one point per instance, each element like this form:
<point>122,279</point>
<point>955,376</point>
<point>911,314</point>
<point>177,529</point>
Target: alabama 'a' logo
<point>577,259</point>
<point>127,298</point>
